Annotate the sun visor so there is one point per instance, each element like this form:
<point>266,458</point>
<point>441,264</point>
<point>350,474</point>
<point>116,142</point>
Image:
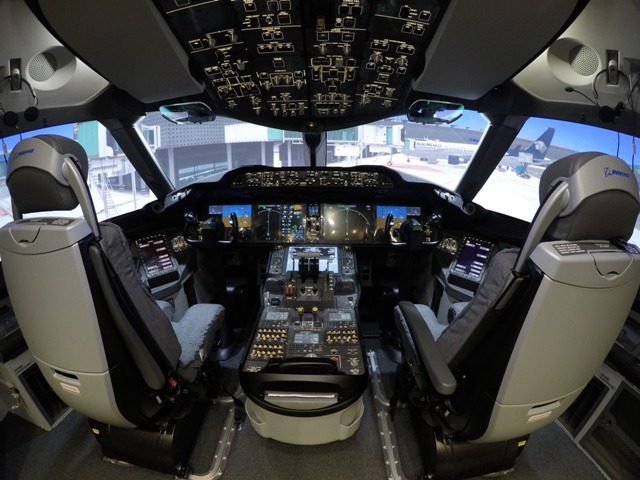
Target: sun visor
<point>482,43</point>
<point>126,42</point>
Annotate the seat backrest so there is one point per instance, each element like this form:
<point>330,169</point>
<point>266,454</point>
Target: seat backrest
<point>544,318</point>
<point>100,340</point>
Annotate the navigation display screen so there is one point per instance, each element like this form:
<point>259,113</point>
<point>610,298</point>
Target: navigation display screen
<point>348,223</point>
<point>473,259</point>
<point>155,255</point>
<point>328,257</point>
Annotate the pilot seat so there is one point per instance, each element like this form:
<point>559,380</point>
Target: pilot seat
<point>103,343</point>
<point>540,325</point>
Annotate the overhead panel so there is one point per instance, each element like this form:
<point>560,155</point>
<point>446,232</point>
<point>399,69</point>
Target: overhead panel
<point>306,59</point>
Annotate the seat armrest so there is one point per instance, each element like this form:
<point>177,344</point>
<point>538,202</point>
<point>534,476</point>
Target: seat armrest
<point>439,373</point>
<point>196,332</point>
<point>167,308</point>
<point>455,309</point>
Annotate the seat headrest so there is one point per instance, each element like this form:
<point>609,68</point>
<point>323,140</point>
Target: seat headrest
<point>37,180</point>
<point>602,200</point>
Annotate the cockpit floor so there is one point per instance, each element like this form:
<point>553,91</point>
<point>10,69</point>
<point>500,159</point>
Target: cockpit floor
<point>70,452</point>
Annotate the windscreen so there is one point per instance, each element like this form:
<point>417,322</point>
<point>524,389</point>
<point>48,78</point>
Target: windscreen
<point>204,152</point>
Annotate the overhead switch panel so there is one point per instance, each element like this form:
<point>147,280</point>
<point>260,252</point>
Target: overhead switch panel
<point>306,59</point>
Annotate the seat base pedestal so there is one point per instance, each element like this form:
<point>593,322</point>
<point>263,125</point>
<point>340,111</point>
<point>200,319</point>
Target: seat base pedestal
<point>451,458</point>
<point>164,449</point>
<point>316,430</point>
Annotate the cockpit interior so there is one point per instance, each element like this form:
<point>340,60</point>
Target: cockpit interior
<point>309,239</point>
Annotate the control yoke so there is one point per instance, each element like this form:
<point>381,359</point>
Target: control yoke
<point>210,232</point>
<point>413,234</point>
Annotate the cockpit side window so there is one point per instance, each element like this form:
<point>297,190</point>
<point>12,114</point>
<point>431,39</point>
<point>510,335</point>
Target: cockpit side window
<point>115,186</point>
<point>512,188</point>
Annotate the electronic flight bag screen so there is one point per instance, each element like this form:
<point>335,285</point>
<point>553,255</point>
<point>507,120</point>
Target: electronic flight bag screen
<point>473,259</point>
<point>156,256</point>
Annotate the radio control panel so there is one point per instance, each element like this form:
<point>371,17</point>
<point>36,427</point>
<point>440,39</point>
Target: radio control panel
<point>284,333</point>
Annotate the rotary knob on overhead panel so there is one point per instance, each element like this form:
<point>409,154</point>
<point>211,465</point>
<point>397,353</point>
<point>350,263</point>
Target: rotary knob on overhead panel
<point>402,61</point>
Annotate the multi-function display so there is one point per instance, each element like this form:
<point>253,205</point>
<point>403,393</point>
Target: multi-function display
<point>398,215</point>
<point>327,257</point>
<point>243,214</point>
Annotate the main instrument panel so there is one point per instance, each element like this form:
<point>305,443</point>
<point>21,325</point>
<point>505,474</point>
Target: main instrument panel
<point>301,222</point>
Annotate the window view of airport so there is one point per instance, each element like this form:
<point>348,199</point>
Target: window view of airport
<point>438,154</point>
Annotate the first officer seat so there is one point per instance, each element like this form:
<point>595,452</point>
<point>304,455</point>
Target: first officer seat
<point>540,325</point>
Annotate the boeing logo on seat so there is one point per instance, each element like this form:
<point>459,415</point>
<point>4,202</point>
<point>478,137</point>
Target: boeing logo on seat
<point>608,172</point>
<point>24,152</point>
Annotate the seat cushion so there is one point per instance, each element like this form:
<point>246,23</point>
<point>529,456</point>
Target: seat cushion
<point>196,332</point>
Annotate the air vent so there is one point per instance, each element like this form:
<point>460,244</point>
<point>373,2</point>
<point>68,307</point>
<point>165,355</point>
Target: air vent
<point>583,60</point>
<point>42,67</point>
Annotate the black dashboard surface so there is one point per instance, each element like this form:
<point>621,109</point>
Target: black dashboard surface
<point>374,210</point>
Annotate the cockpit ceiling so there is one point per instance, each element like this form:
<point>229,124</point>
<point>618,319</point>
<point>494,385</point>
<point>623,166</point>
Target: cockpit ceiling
<point>306,58</point>
<point>305,64</point>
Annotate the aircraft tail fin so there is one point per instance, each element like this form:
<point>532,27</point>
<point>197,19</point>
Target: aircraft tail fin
<point>540,146</point>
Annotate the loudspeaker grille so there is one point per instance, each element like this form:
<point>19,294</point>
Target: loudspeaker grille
<point>583,60</point>
<point>42,67</point>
